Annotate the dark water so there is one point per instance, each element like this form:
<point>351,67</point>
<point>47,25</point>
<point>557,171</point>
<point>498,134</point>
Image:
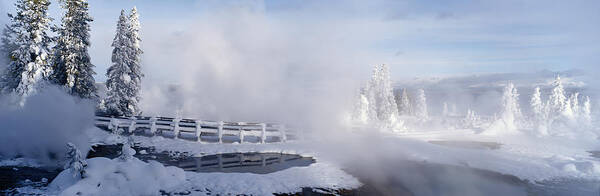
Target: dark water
<point>468,144</point>
<point>387,176</point>
<point>258,163</point>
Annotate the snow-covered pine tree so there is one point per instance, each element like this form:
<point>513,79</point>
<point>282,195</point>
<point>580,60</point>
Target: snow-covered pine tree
<point>30,64</point>
<point>471,119</point>
<point>8,44</point>
<point>380,96</point>
<point>539,110</point>
<point>574,102</point>
<point>75,161</point>
<point>360,114</point>
<point>445,110</point>
<point>404,107</point>
<point>122,92</point>
<point>135,56</point>
<point>71,61</point>
<point>559,104</point>
<point>586,110</point>
<point>511,111</point>
<point>421,105</point>
<point>371,92</point>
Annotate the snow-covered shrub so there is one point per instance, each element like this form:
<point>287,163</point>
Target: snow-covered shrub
<point>114,177</point>
<point>126,151</point>
<point>75,162</point>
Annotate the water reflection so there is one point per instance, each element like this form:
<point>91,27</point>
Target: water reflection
<point>258,163</point>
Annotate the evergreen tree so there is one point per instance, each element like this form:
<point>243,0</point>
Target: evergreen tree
<point>574,102</point>
<point>135,56</point>
<point>511,111</point>
<point>381,99</point>
<point>559,104</point>
<point>8,44</point>
<point>421,105</point>
<point>360,114</point>
<point>72,66</point>
<point>124,76</point>
<point>30,64</point>
<point>118,102</point>
<point>586,110</point>
<point>539,110</point>
<point>537,106</point>
<point>404,106</point>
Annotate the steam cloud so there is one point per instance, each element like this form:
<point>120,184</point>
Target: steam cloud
<point>42,128</point>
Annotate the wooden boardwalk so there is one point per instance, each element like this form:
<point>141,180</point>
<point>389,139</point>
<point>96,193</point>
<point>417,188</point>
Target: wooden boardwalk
<point>199,130</point>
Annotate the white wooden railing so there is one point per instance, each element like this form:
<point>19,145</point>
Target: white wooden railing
<point>191,128</point>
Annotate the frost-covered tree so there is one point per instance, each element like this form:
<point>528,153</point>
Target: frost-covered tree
<point>445,109</point>
<point>381,99</point>
<point>511,112</point>
<point>537,105</point>
<point>471,119</point>
<point>71,61</point>
<point>30,63</point>
<point>421,105</point>
<point>586,110</point>
<point>558,102</point>
<point>360,113</point>
<point>123,83</point>
<point>135,55</point>
<point>574,103</point>
<point>8,45</point>
<point>404,106</point>
<point>539,110</point>
<point>75,161</point>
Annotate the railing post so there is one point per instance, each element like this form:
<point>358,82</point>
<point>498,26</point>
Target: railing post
<point>220,161</point>
<point>263,160</point>
<point>263,135</point>
<point>283,135</point>
<point>241,158</point>
<point>198,129</point>
<point>198,164</point>
<point>281,158</point>
<point>176,127</point>
<point>132,124</point>
<point>220,132</point>
<point>114,125</point>
<point>153,125</point>
<point>241,134</point>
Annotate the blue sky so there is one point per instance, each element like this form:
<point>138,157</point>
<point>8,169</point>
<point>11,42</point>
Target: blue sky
<point>416,38</point>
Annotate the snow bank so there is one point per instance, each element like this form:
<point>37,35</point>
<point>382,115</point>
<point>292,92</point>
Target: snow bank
<point>116,177</point>
<point>291,180</point>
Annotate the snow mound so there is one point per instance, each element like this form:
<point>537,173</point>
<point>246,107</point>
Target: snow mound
<point>116,177</point>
